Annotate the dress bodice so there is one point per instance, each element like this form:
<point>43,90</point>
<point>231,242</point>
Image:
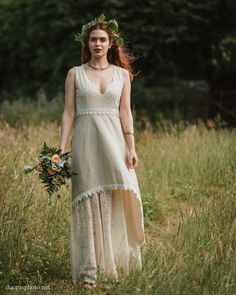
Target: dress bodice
<point>90,99</point>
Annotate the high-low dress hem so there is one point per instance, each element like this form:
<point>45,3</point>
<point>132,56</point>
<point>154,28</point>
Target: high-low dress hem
<point>112,187</point>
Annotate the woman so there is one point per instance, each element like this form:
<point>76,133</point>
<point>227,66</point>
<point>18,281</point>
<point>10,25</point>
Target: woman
<point>107,226</point>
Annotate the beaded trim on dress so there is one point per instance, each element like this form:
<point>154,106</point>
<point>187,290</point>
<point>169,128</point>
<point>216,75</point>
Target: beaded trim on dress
<point>98,111</point>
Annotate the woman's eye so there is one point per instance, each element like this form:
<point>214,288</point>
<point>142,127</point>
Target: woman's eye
<point>102,39</point>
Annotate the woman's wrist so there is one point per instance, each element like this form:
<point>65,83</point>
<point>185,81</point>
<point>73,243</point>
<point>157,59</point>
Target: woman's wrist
<point>129,133</point>
<point>132,149</point>
<point>62,149</point>
<point>129,136</point>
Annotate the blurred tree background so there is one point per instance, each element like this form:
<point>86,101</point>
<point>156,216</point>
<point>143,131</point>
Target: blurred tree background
<point>186,50</point>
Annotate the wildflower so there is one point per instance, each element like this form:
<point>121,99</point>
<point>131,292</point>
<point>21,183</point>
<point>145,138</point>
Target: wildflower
<point>39,168</point>
<point>51,171</point>
<point>59,179</point>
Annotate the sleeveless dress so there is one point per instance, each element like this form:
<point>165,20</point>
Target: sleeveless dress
<point>107,226</point>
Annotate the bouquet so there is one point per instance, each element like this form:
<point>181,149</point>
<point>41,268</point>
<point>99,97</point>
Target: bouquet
<point>53,169</point>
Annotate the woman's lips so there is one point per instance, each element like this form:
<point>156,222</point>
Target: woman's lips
<point>97,50</point>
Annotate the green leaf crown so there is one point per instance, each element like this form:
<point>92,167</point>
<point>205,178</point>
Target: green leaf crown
<point>112,25</point>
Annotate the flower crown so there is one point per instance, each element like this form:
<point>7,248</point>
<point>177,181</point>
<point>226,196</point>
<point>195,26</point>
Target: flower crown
<point>112,25</point>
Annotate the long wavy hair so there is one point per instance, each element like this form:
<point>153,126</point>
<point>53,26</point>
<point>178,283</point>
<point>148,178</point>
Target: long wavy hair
<point>117,55</point>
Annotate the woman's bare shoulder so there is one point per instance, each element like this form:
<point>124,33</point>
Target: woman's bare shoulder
<point>72,72</point>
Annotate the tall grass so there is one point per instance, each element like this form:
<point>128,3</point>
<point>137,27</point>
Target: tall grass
<point>187,180</point>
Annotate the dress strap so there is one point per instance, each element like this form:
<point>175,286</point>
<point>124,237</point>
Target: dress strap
<point>119,71</point>
<point>77,75</point>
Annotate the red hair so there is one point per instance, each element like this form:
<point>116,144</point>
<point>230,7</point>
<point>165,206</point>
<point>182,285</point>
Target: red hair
<point>117,55</point>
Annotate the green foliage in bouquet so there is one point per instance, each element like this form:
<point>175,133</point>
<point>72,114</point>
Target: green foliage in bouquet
<point>53,169</point>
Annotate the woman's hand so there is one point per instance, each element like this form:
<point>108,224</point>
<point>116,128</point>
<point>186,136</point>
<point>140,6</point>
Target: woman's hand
<point>62,150</point>
<point>132,159</point>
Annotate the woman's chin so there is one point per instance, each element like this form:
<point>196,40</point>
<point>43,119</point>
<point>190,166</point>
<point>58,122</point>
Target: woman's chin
<point>98,54</point>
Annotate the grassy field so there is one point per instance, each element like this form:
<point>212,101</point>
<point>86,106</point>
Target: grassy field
<point>187,178</point>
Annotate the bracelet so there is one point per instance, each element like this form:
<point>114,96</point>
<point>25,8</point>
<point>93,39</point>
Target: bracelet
<point>128,132</point>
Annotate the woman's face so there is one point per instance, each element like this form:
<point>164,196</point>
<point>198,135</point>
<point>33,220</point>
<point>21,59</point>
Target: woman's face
<point>99,43</point>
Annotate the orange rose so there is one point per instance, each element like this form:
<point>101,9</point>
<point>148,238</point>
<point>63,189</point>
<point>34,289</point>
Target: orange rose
<point>55,158</point>
<point>51,171</point>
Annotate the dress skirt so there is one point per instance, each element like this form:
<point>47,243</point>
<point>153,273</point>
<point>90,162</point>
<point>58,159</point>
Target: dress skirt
<point>103,237</point>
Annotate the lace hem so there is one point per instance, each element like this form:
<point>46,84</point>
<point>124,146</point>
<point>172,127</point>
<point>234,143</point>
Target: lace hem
<point>103,188</point>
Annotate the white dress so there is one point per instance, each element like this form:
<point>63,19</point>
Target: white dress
<point>107,226</point>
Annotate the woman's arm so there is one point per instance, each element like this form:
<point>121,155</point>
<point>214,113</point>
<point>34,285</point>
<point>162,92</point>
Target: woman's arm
<point>68,115</point>
<point>127,120</point>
